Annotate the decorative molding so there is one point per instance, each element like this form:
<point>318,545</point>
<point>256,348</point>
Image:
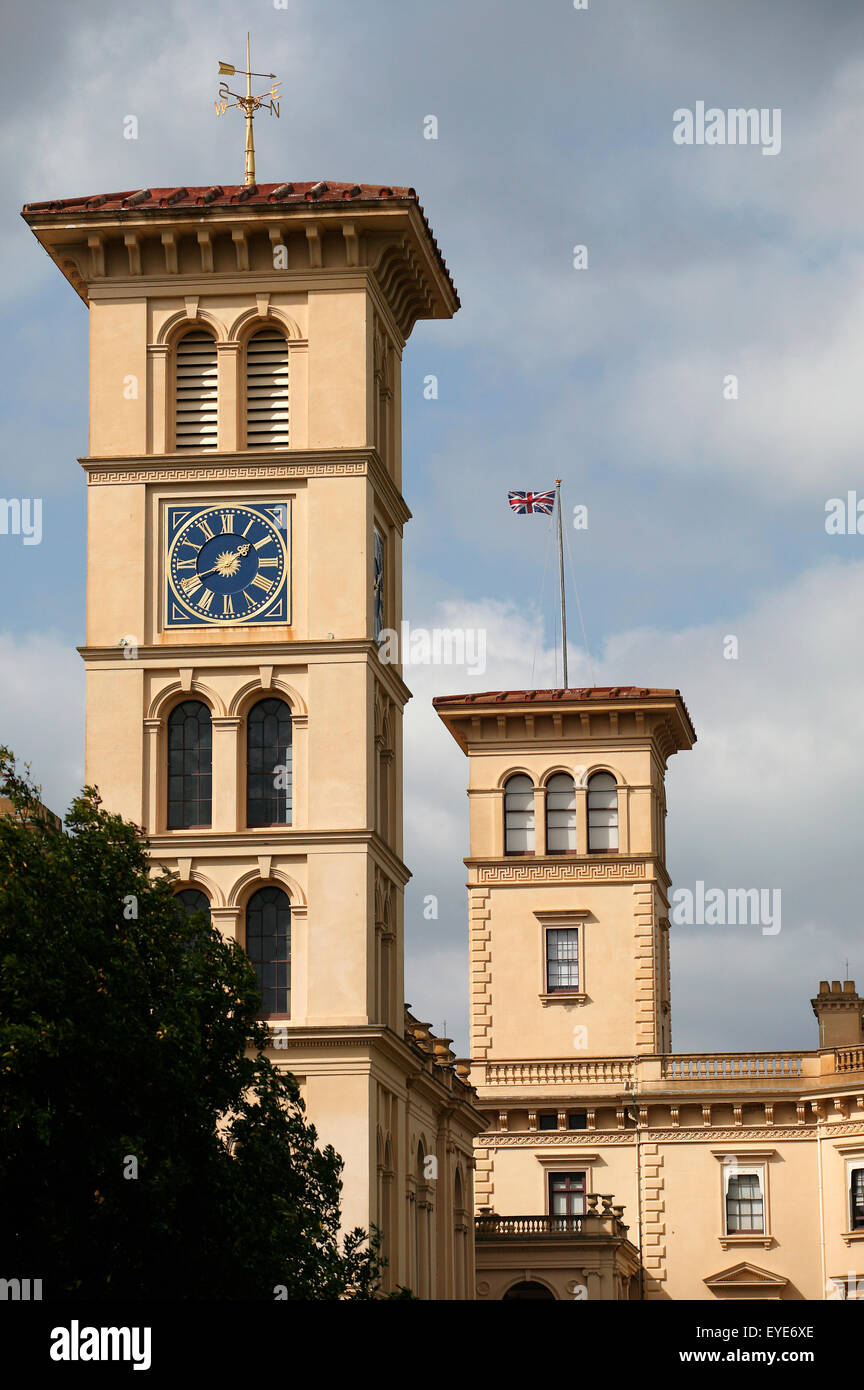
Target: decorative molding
<point>494,1139</point>
<point>599,871</point>
<point>745,1276</point>
<point>158,473</point>
<point>542,1138</point>
<point>230,464</point>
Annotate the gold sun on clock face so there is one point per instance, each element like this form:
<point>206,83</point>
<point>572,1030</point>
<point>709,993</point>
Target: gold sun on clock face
<point>227,565</point>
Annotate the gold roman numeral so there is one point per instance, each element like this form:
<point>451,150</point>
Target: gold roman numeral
<point>190,585</point>
<point>265,540</point>
<point>186,564</point>
<point>259,582</point>
<point>227,523</point>
<point>206,529</point>
<point>227,606</point>
<point>206,601</point>
<point>269,563</point>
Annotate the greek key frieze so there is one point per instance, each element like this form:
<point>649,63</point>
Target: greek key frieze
<point>605,871</point>
<point>229,471</point>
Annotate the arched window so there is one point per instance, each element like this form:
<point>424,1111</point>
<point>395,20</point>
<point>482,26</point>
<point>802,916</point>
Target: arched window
<point>267,390</point>
<point>519,815</point>
<point>268,946</point>
<point>602,812</point>
<point>193,900</point>
<point>561,814</point>
<point>268,763</point>
<point>190,766</point>
<point>195,422</point>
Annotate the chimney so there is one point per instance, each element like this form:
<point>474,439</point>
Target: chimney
<point>838,1008</point>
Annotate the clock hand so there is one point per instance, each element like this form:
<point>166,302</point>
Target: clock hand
<point>241,550</point>
<point>224,559</point>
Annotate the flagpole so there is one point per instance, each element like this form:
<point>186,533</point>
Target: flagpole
<point>561,571</point>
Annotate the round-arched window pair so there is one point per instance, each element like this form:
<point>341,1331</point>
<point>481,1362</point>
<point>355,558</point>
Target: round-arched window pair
<point>196,395</point>
<point>268,942</point>
<point>269,772</point>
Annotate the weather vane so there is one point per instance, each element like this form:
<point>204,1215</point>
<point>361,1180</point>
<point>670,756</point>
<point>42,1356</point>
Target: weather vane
<point>268,101</point>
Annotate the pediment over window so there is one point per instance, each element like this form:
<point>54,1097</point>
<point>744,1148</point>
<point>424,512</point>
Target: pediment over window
<point>745,1276</point>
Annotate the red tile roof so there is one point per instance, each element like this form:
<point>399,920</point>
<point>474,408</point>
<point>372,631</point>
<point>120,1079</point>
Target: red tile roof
<point>230,195</point>
<point>575,696</point>
<point>584,695</point>
<point>263,196</point>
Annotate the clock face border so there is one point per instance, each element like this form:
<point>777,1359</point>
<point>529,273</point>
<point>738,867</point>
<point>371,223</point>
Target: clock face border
<point>178,517</point>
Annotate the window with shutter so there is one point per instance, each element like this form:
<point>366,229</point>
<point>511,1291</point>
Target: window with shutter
<point>195,422</point>
<point>267,390</point>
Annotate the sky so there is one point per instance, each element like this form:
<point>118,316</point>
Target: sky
<point>706,502</point>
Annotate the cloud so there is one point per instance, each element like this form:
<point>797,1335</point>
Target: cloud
<point>769,797</point>
<point>42,712</point>
<point>555,129</point>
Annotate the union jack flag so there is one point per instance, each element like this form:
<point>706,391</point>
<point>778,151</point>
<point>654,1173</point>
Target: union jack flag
<point>526,503</point>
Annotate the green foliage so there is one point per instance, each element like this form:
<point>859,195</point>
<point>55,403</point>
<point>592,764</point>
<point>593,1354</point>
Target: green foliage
<point>129,1030</point>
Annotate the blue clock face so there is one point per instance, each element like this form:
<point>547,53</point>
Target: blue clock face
<point>227,565</point>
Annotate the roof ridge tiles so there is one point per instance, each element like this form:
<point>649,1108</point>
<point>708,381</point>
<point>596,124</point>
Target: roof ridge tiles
<point>267,196</point>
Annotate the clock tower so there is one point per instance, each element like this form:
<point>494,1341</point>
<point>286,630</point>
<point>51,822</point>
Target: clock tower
<point>244,538</point>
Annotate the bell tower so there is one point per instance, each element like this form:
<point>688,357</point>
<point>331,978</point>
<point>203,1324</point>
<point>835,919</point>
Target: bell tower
<point>244,538</point>
<point>567,890</point>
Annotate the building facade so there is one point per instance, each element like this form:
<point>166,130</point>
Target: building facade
<point>244,537</point>
<point>612,1167</point>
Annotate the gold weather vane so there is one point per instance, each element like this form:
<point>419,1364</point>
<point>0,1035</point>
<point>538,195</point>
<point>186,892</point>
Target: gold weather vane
<point>268,101</point>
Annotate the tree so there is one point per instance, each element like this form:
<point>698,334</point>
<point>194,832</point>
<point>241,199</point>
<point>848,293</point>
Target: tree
<point>148,1148</point>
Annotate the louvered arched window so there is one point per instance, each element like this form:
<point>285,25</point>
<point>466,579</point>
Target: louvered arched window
<point>602,812</point>
<point>267,390</point>
<point>560,814</point>
<point>190,766</point>
<point>519,815</point>
<point>268,764</point>
<point>268,946</point>
<point>195,422</point>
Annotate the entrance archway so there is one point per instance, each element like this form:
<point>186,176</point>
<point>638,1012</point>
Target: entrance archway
<point>528,1289</point>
